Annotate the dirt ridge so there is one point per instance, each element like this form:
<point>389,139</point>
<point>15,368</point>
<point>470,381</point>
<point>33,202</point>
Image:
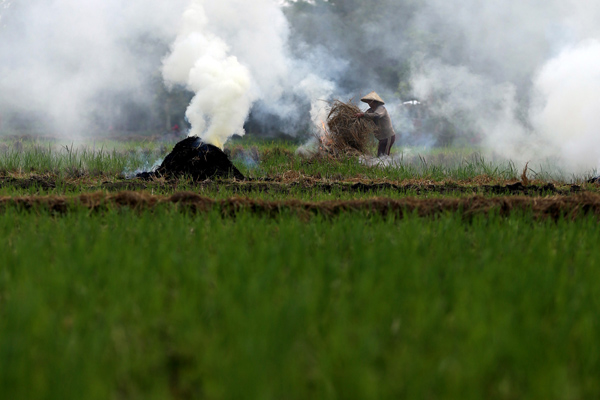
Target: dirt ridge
<point>551,206</point>
<point>284,186</point>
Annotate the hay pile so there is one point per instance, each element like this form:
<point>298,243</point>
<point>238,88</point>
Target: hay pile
<point>346,134</point>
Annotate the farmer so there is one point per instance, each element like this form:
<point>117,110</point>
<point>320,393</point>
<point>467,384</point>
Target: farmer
<point>378,114</point>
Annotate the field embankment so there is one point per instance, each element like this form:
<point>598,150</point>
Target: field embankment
<point>553,206</point>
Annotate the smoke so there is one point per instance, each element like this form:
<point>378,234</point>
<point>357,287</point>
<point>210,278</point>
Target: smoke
<point>567,113</point>
<point>474,104</point>
<point>515,78</point>
<point>70,68</point>
<point>65,64</point>
<point>523,77</point>
<point>4,4</point>
<point>222,86</point>
<point>234,55</point>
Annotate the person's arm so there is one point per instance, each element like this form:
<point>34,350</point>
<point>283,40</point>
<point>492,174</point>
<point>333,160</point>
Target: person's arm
<point>376,114</point>
<point>364,114</point>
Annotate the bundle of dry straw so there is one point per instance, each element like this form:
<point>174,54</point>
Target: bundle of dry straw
<point>347,134</point>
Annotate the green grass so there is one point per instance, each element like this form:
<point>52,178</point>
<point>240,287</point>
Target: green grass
<point>459,168</point>
<point>160,304</point>
<point>117,159</point>
<point>81,167</point>
<point>102,159</point>
<point>164,304</point>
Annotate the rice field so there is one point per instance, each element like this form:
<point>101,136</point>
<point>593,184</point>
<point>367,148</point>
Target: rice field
<point>444,276</point>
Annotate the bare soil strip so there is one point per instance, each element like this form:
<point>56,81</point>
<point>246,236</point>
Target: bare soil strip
<point>293,185</point>
<point>543,207</point>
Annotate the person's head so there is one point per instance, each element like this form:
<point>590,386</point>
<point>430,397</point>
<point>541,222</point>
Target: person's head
<point>373,100</point>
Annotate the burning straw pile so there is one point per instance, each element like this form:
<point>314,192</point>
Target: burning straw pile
<point>347,134</point>
<point>197,160</point>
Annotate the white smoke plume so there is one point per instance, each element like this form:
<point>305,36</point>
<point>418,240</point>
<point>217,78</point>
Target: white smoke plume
<point>58,58</point>
<point>200,60</point>
<point>64,62</point>
<point>234,55</point>
<point>4,4</point>
<point>517,75</point>
<point>567,114</point>
<point>521,76</point>
<point>475,104</point>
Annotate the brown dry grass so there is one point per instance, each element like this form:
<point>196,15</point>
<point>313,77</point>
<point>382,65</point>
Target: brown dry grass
<point>547,207</point>
<point>291,176</point>
<point>347,134</point>
<point>293,179</point>
<point>524,178</point>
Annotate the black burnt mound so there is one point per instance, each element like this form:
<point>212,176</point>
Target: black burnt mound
<point>195,159</point>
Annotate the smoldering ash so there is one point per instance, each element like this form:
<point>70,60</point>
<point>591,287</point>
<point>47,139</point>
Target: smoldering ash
<point>201,61</point>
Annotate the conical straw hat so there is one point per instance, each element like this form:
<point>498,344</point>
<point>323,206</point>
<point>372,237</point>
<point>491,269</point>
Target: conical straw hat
<point>372,96</point>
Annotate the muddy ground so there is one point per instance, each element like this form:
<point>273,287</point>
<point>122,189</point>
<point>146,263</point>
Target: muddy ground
<point>283,185</point>
<point>554,207</point>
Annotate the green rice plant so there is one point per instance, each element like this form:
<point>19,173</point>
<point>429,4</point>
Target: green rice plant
<point>258,159</point>
<point>166,304</point>
<point>77,160</point>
